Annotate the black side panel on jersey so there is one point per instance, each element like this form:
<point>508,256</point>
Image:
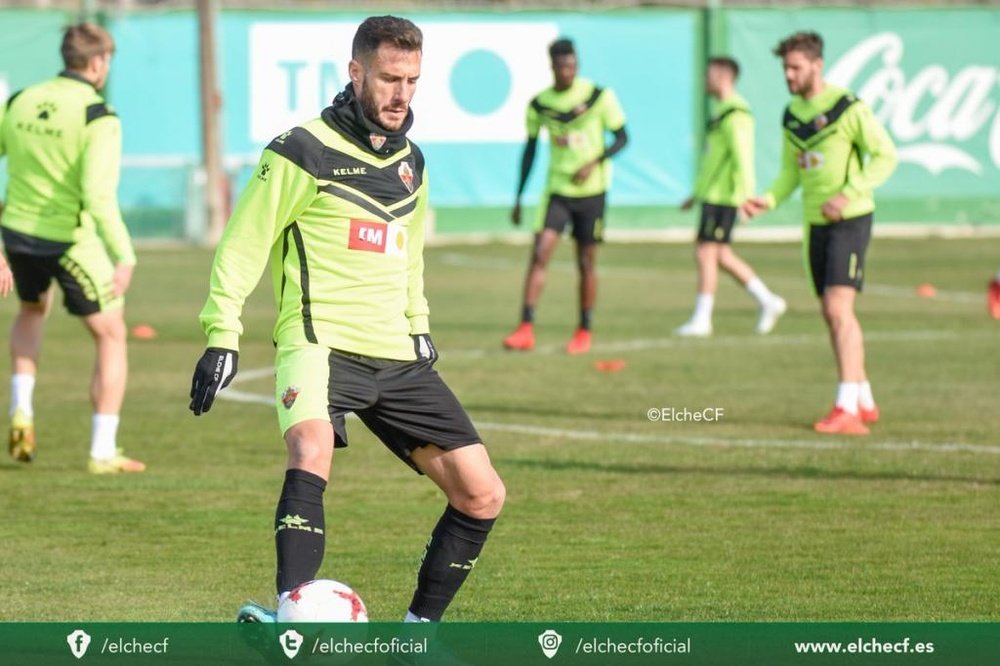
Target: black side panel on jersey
<point>99,110</point>
<point>301,148</point>
<point>300,248</point>
<point>568,116</point>
<point>806,131</point>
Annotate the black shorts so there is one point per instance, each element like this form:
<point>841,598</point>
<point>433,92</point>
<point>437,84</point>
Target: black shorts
<point>585,213</point>
<point>716,224</point>
<point>405,404</point>
<point>83,270</point>
<point>837,252</point>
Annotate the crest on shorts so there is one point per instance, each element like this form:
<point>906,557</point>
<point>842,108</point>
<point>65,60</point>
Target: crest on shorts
<point>821,121</point>
<point>377,140</point>
<point>406,175</point>
<point>289,396</point>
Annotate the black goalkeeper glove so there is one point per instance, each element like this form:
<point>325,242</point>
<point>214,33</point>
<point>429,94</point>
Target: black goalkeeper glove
<point>424,348</point>
<point>214,371</point>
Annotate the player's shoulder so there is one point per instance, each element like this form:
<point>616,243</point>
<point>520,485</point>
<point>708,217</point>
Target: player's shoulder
<point>302,146</point>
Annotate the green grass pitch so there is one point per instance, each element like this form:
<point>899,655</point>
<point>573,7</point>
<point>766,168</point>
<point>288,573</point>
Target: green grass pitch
<point>609,516</point>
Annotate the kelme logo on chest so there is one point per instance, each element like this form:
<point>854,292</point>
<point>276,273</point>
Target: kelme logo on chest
<point>350,171</point>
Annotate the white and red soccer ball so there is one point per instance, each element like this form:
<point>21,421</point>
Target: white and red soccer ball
<point>322,601</point>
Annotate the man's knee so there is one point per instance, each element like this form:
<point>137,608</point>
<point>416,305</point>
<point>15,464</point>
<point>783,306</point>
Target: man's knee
<point>309,448</point>
<point>484,500</point>
<point>107,326</point>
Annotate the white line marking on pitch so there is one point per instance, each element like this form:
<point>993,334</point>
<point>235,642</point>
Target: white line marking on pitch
<point>636,438</point>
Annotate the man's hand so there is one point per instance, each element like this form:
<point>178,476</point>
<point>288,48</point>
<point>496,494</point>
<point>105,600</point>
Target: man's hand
<point>6,278</point>
<point>121,280</point>
<point>833,209</point>
<point>584,173</point>
<point>515,214</point>
<point>687,203</point>
<point>214,371</point>
<point>754,206</point>
<point>424,348</point>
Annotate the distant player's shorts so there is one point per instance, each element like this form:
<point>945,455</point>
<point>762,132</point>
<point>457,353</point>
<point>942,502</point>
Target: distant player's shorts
<point>716,224</point>
<point>405,404</point>
<point>585,214</point>
<point>83,270</point>
<point>837,252</point>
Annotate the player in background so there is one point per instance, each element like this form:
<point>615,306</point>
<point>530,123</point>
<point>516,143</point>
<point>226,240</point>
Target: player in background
<point>577,114</point>
<point>993,297</point>
<point>725,180</point>
<point>61,222</point>
<point>839,153</point>
<point>338,206</point>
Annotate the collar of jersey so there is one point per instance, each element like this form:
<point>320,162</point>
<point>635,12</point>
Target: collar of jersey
<point>68,74</point>
<point>346,117</point>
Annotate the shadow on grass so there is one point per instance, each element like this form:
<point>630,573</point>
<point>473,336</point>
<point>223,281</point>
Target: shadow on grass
<point>800,472</point>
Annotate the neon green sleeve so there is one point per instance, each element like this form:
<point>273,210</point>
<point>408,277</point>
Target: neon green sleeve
<point>611,112</point>
<point>533,122</point>
<point>277,193</point>
<point>417,310</point>
<point>3,112</point>
<point>874,141</point>
<point>739,131</point>
<point>788,178</point>
<point>101,166</point>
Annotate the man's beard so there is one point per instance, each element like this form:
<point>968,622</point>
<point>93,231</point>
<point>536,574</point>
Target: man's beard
<point>370,108</point>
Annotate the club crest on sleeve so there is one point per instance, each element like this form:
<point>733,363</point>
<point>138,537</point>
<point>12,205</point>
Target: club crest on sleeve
<point>377,140</point>
<point>821,121</point>
<point>406,175</point>
<point>289,396</point>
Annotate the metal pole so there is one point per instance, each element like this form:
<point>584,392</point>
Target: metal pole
<point>211,102</point>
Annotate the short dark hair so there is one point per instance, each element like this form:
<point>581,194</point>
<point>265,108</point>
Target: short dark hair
<point>809,44</point>
<point>83,41</point>
<point>377,30</point>
<point>561,47</point>
<point>727,63</point>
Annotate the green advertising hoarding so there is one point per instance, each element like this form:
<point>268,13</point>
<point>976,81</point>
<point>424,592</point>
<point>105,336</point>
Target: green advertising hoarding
<point>930,76</point>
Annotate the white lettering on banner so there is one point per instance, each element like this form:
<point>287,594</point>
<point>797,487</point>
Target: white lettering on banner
<point>297,68</point>
<point>960,105</point>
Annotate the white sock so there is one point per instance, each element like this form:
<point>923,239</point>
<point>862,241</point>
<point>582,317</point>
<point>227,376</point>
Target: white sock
<point>865,398</point>
<point>22,388</point>
<point>759,291</point>
<point>847,397</point>
<point>410,617</point>
<point>103,434</point>
<point>703,305</point>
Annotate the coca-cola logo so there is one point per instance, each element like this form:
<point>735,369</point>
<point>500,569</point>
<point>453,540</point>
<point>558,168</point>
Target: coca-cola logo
<point>932,114</point>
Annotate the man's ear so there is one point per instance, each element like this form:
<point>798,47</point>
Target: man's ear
<point>355,71</point>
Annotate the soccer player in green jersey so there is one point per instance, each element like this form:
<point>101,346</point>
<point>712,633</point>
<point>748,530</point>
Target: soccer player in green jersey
<point>61,222</point>
<point>839,153</point>
<point>337,206</point>
<point>725,180</point>
<point>577,115</point>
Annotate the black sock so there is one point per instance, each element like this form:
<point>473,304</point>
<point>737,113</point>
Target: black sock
<point>527,314</point>
<point>451,553</point>
<point>299,529</point>
<point>585,319</point>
